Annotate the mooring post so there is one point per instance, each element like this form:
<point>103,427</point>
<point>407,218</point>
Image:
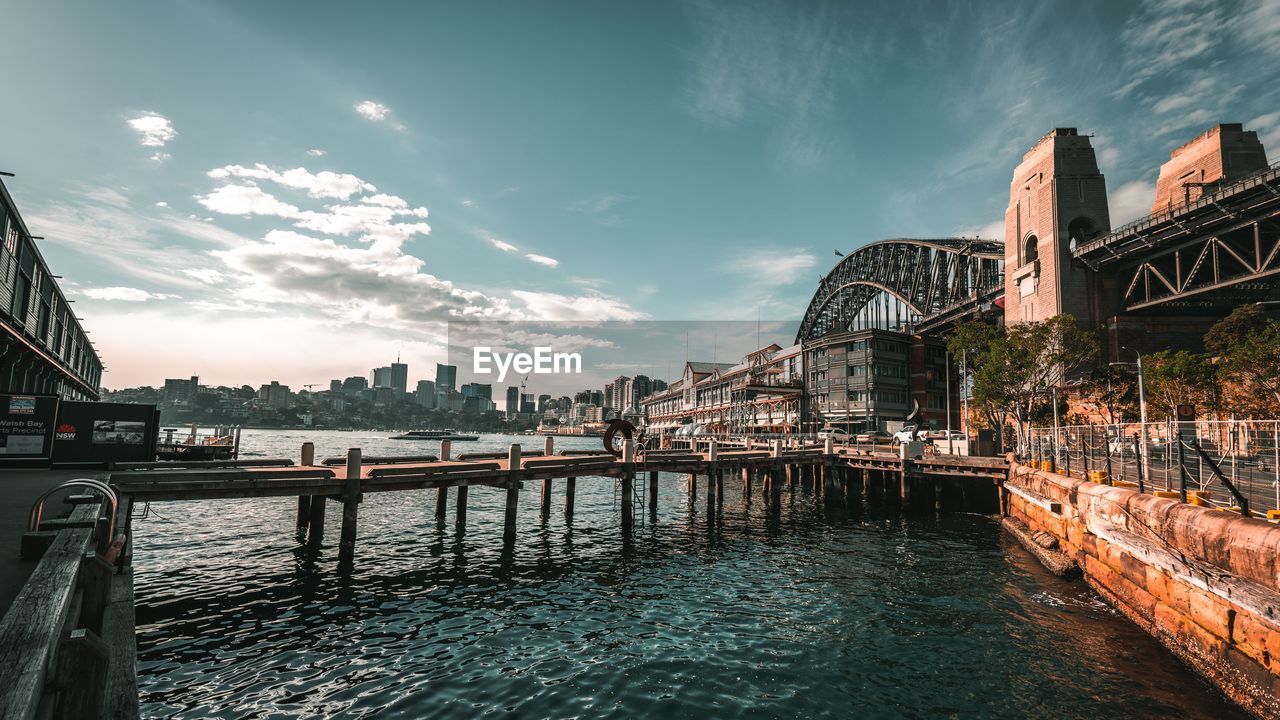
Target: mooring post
<point>442,492</point>
<point>713,455</point>
<point>828,457</point>
<point>307,459</point>
<point>460,505</point>
<point>513,493</point>
<point>693,487</point>
<point>906,488</point>
<point>775,472</point>
<point>653,491</point>
<point>937,496</point>
<point>548,451</point>
<point>570,484</point>
<point>746,483</point>
<point>628,486</point>
<point>350,509</point>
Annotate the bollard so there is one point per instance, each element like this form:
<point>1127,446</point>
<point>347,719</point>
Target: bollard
<point>570,485</point>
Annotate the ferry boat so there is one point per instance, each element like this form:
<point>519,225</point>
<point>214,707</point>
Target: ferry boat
<point>434,435</point>
<point>221,444</point>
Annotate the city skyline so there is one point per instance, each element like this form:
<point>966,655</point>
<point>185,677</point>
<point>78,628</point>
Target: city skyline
<point>389,191</point>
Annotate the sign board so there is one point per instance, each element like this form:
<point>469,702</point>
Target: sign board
<point>100,433</point>
<point>1186,413</point>
<point>26,427</point>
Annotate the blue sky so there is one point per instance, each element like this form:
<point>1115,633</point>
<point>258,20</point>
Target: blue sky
<point>298,191</point>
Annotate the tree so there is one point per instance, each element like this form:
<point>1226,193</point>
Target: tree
<point>1246,345</point>
<point>1014,369</point>
<point>1114,390</point>
<point>1179,377</point>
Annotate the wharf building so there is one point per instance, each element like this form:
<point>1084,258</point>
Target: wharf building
<point>45,349</point>
<point>760,395</point>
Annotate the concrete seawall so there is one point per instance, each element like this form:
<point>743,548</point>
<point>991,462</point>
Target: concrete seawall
<point>1202,581</point>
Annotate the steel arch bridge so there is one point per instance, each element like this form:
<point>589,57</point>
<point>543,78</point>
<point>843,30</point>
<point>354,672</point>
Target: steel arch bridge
<point>936,280</point>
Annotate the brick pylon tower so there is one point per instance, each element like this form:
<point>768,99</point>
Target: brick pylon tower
<point>1057,196</point>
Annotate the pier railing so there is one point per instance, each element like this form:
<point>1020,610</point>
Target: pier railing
<point>67,646</point>
<point>1231,464</point>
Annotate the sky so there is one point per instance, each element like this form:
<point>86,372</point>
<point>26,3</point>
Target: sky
<point>300,191</point>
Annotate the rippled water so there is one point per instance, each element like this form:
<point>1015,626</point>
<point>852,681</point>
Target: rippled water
<point>807,613</point>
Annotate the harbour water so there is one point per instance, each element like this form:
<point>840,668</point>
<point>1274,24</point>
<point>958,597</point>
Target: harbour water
<point>811,612</point>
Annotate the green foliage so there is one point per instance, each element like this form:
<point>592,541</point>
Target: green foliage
<point>1246,345</point>
<point>1014,368</point>
<point>1177,377</point>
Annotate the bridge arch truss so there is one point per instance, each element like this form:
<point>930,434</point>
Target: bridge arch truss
<point>934,279</point>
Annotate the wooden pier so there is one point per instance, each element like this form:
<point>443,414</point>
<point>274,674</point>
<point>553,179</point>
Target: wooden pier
<point>67,643</point>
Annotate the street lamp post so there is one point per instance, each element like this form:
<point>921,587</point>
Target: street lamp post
<point>1142,409</point>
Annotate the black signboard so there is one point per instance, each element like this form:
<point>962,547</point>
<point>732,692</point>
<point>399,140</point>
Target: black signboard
<point>26,428</point>
<point>99,433</point>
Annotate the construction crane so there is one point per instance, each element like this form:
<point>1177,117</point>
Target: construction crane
<point>308,386</point>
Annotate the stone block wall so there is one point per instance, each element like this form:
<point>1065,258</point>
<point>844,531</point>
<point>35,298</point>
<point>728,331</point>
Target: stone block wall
<point>1204,582</point>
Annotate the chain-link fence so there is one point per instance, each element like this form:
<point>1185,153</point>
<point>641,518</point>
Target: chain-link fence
<point>1220,463</point>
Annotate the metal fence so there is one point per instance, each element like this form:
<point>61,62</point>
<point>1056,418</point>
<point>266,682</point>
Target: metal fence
<point>1221,463</point>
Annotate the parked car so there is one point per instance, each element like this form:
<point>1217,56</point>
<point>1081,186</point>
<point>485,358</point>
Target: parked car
<point>835,434</point>
<point>873,436</point>
<point>909,433</point>
<point>944,435</point>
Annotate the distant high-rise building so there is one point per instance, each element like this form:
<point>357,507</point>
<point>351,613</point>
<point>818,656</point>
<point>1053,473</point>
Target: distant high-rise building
<point>446,377</point>
<point>641,387</point>
<point>426,393</point>
<point>597,398</point>
<point>656,385</point>
<point>181,389</point>
<point>618,397</point>
<point>542,403</point>
<point>275,395</point>
<point>335,386</point>
<point>513,400</point>
<point>380,377</point>
<point>608,396</point>
<point>481,390</point>
<point>353,385</point>
<point>527,405</point>
<point>399,377</point>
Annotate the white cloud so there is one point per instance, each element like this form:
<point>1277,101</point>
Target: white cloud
<point>208,276</point>
<point>1130,201</point>
<point>154,129</point>
<point>162,204</point>
<point>598,203</point>
<point>160,156</point>
<point>126,294</point>
<point>773,267</point>
<point>246,200</point>
<point>993,230</point>
<point>542,260</point>
<point>317,152</point>
<point>1268,129</point>
<point>469,204</point>
<point>323,184</point>
<point>374,111</point>
<point>552,306</point>
<point>503,245</point>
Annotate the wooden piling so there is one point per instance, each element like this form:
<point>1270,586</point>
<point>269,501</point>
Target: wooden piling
<point>775,476</point>
<point>746,484</point>
<point>513,493</point>
<point>653,491</point>
<point>315,521</point>
<point>307,458</point>
<point>628,486</point>
<point>548,451</point>
<point>712,455</point>
<point>350,509</point>
<point>442,492</point>
<point>693,487</point>
<point>570,484</point>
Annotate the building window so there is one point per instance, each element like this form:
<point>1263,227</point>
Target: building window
<point>1031,250</point>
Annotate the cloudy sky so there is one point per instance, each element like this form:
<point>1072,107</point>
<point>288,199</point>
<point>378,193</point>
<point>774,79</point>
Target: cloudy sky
<point>298,191</point>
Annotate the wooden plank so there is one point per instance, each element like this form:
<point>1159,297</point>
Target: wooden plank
<point>32,627</point>
<point>179,464</point>
<point>120,696</point>
<point>385,460</point>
